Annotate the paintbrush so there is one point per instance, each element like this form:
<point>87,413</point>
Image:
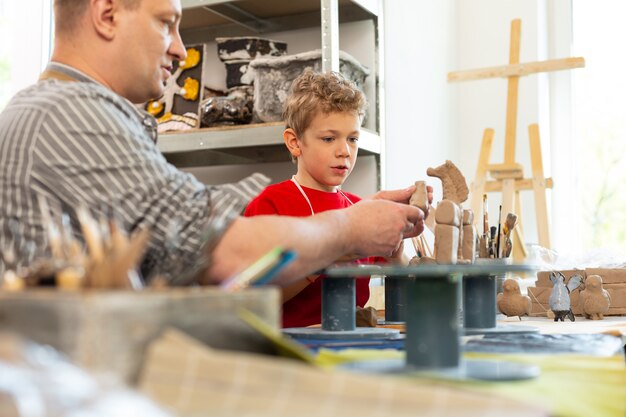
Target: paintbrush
<point>509,225</point>
<point>498,236</point>
<point>485,216</point>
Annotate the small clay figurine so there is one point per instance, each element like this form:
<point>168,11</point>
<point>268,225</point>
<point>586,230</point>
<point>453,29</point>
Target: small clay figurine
<point>468,238</point>
<point>366,317</point>
<point>559,296</point>
<point>594,300</point>
<point>511,302</point>
<point>447,217</point>
<point>420,197</point>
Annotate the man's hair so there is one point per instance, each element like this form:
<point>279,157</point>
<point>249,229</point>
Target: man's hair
<point>313,92</point>
<point>67,13</point>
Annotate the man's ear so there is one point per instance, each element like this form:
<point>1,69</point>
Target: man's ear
<point>103,17</point>
<point>291,141</point>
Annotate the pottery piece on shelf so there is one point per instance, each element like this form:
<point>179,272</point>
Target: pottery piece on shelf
<point>234,108</point>
<point>274,75</point>
<point>236,53</point>
<point>181,96</point>
<point>248,48</point>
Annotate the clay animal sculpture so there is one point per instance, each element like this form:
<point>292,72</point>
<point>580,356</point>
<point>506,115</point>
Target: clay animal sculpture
<point>452,182</point>
<point>594,300</point>
<point>511,302</point>
<point>559,300</point>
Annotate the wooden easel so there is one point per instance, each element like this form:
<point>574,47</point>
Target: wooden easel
<point>508,177</point>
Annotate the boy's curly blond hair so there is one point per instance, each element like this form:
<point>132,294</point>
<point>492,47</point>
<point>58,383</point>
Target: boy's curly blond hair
<point>314,92</point>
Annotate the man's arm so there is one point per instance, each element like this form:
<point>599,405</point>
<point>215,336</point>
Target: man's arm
<point>368,228</point>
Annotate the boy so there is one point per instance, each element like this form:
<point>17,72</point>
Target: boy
<point>323,116</point>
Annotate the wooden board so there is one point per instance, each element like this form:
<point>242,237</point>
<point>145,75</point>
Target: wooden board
<point>192,380</point>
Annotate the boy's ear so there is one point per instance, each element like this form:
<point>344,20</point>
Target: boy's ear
<point>291,141</point>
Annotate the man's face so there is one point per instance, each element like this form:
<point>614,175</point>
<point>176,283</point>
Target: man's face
<point>329,147</point>
<point>150,43</point>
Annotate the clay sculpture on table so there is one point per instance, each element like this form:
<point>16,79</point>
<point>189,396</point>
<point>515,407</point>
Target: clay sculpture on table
<point>366,317</point>
<point>511,302</point>
<point>468,242</point>
<point>452,181</point>
<point>455,192</point>
<point>447,218</point>
<point>559,296</point>
<point>594,300</point>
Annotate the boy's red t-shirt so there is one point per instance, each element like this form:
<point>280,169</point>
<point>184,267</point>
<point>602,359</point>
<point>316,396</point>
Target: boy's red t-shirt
<point>285,199</point>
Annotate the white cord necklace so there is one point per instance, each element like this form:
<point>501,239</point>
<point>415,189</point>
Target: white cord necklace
<point>293,179</point>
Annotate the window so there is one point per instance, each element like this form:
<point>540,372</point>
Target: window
<point>599,122</point>
<point>25,39</point>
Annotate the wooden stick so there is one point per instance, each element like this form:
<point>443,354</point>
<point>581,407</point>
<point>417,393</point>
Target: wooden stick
<point>416,245</point>
<point>517,70</point>
<point>424,243</point>
<point>512,93</point>
<point>498,237</point>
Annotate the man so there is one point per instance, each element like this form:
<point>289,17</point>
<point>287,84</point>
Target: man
<point>74,139</point>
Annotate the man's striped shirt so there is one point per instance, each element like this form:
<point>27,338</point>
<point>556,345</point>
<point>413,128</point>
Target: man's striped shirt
<point>80,144</point>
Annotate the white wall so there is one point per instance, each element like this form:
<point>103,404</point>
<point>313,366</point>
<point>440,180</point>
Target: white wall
<point>483,41</point>
<point>421,110</point>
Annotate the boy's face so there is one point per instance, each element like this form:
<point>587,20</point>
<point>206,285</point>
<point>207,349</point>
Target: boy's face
<point>328,150</point>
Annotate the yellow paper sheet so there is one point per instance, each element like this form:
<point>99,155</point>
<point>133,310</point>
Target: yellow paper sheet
<point>569,385</point>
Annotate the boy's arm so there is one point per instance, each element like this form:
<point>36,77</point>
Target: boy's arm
<point>262,206</point>
<point>290,290</point>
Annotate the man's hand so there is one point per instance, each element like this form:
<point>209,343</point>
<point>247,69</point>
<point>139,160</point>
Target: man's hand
<point>403,196</point>
<point>377,227</point>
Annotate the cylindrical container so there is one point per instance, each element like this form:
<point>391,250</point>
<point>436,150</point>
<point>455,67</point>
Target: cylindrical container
<point>338,304</point>
<point>499,277</point>
<point>395,298</point>
<point>479,302</point>
<point>432,326</point>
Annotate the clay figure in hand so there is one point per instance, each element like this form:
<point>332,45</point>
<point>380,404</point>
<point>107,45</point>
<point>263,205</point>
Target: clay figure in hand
<point>511,302</point>
<point>420,197</point>
<point>559,300</point>
<point>594,300</point>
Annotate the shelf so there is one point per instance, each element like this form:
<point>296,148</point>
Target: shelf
<point>245,144</point>
<point>204,20</point>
